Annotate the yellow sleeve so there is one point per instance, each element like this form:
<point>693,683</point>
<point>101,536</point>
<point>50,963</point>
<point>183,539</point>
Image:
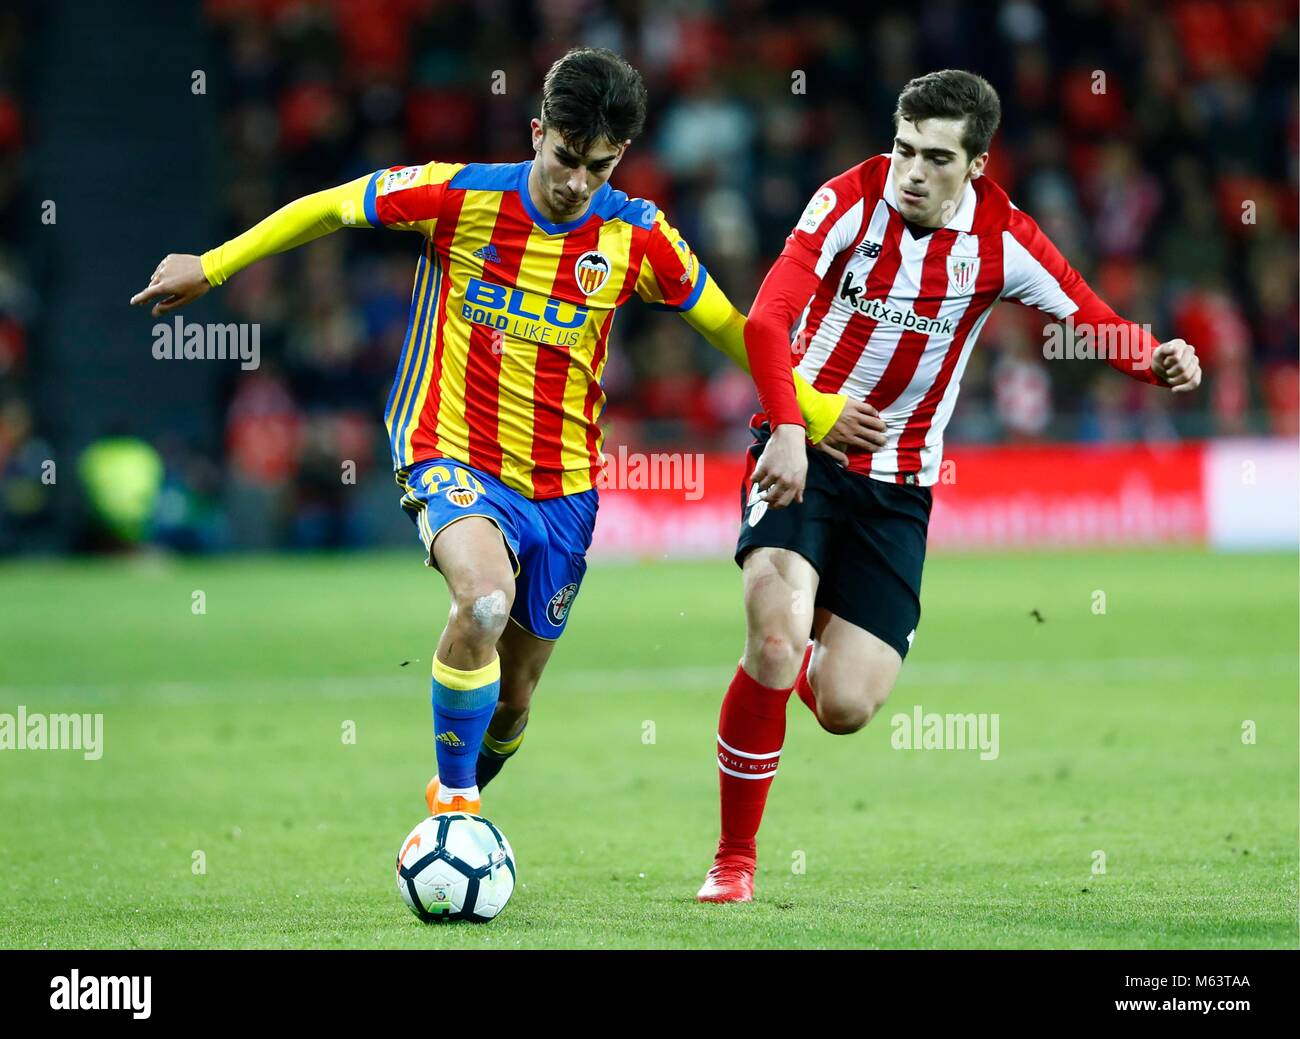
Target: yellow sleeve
<point>820,410</point>
<point>723,326</point>
<point>406,198</point>
<point>301,221</point>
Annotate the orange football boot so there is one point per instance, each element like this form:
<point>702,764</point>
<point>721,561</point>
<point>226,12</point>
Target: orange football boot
<point>457,803</point>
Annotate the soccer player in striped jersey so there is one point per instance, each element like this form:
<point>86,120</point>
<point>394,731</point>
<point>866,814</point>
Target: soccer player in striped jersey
<point>493,414</point>
<point>882,288</point>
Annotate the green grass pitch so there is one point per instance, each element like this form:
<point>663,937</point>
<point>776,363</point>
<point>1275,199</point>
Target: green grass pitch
<point>1120,733</point>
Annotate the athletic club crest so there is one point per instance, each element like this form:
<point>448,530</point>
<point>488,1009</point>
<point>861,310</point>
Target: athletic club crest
<point>961,273</point>
<point>558,608</point>
<point>591,271</point>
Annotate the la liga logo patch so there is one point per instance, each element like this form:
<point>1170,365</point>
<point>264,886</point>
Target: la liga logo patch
<point>395,180</point>
<point>815,212</point>
<point>591,271</point>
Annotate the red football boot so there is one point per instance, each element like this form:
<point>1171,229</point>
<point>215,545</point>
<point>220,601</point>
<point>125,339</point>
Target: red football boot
<point>729,880</point>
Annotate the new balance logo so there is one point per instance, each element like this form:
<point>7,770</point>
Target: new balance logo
<point>449,739</point>
<point>488,254</point>
<point>868,249</point>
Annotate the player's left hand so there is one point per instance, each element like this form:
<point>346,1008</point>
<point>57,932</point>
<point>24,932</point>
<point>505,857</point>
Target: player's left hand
<point>783,467</point>
<point>176,281</point>
<point>1176,363</point>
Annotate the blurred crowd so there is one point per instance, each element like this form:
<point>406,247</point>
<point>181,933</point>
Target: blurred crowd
<point>24,474</point>
<point>1156,143</point>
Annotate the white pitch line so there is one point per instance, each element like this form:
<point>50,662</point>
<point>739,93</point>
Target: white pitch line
<point>675,679</point>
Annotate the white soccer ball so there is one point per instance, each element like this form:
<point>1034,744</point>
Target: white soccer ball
<point>456,867</point>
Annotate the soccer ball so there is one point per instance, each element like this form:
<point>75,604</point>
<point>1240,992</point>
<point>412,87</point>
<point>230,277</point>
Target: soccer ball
<point>456,867</point>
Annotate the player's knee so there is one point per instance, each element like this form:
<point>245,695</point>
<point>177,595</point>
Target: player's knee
<point>773,659</point>
<point>842,710</point>
<point>842,717</point>
<point>479,612</point>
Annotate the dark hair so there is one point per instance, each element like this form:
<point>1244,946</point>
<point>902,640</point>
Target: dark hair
<point>592,95</point>
<point>954,94</point>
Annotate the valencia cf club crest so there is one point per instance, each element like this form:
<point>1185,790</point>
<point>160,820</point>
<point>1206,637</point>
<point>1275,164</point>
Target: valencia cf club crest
<point>961,273</point>
<point>558,608</point>
<point>462,497</point>
<point>591,271</point>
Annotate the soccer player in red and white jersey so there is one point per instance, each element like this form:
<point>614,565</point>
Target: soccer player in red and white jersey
<point>883,287</point>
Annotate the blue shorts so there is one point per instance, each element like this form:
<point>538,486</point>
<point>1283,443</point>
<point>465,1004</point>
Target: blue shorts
<point>547,540</point>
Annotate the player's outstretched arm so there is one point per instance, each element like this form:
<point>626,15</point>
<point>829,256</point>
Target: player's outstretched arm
<point>182,278</point>
<point>1038,276</point>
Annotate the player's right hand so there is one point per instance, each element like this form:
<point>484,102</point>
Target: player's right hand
<point>783,467</point>
<point>859,425</point>
<point>178,280</point>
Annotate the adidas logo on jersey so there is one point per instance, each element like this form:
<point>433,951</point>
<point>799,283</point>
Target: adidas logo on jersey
<point>449,739</point>
<point>488,254</point>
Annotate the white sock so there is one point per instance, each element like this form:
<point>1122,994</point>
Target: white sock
<point>446,793</point>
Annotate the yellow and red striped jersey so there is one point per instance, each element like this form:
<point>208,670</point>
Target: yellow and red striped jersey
<point>510,318</point>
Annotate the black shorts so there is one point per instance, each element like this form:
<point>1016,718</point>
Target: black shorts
<point>864,537</point>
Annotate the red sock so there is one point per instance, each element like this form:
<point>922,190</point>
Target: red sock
<point>750,733</point>
<point>801,685</point>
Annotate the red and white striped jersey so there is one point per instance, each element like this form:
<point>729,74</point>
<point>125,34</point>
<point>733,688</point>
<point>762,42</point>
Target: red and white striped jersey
<point>896,312</point>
